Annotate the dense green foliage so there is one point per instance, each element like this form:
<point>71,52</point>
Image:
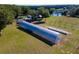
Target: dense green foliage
<point>2,21</point>
<point>31,12</point>
<point>7,14</point>
<point>72,11</point>
<point>25,10</point>
<point>43,11</point>
<point>51,10</point>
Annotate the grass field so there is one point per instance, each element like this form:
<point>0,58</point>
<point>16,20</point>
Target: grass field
<point>14,40</point>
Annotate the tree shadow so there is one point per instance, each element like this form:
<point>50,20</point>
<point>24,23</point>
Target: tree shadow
<point>37,36</point>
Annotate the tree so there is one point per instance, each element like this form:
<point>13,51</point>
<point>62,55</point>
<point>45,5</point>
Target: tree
<point>32,12</point>
<point>2,21</point>
<point>73,12</point>
<point>77,11</point>
<point>17,10</point>
<point>7,15</point>
<point>25,10</point>
<point>51,10</point>
<point>8,12</point>
<point>44,12</point>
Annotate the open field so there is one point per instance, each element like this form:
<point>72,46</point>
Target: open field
<point>14,40</point>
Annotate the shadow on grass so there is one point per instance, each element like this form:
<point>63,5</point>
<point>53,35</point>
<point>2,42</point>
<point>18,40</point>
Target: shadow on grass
<point>37,36</point>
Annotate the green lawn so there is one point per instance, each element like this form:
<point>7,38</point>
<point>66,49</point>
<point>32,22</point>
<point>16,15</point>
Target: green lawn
<point>14,40</point>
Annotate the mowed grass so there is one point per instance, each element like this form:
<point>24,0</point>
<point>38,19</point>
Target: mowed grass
<point>70,24</point>
<point>14,40</point>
